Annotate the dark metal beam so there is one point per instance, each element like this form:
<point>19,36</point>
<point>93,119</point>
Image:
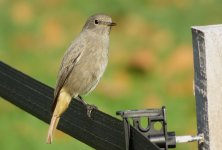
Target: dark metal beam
<point>100,132</point>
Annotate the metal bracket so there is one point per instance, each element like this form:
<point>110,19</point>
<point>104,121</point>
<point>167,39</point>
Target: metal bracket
<point>157,135</point>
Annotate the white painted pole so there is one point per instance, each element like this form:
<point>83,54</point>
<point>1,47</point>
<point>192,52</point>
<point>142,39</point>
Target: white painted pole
<point>207,45</point>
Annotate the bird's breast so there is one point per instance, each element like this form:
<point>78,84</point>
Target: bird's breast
<point>96,53</point>
<point>91,65</point>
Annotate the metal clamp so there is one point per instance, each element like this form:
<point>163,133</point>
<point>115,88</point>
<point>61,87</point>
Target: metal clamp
<point>158,136</point>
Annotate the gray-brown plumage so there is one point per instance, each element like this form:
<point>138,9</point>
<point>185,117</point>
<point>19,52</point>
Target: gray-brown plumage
<point>82,66</point>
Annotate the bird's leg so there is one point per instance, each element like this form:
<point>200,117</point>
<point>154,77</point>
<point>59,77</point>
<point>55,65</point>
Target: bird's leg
<point>79,98</point>
<point>88,106</point>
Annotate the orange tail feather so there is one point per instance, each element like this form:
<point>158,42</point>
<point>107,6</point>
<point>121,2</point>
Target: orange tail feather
<point>53,124</point>
<point>62,104</point>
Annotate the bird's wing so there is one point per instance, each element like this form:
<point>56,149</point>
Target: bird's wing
<point>69,61</point>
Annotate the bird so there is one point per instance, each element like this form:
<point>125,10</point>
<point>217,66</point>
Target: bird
<point>82,67</point>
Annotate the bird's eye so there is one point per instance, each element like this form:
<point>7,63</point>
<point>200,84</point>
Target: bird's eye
<point>96,22</point>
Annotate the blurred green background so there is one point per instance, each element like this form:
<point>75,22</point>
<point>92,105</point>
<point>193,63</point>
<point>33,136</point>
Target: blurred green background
<point>150,61</point>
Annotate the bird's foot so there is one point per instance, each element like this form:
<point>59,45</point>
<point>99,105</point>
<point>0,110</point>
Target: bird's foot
<point>89,107</point>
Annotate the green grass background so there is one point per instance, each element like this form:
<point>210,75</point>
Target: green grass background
<point>150,61</point>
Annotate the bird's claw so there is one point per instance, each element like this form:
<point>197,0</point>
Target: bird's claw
<point>89,109</point>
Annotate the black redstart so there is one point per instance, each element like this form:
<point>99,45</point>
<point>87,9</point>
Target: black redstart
<point>82,67</point>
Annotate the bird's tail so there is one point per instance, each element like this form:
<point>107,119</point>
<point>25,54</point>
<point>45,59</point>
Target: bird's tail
<point>53,124</point>
<point>62,104</point>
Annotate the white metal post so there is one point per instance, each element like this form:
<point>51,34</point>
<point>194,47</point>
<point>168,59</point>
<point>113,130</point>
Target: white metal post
<point>207,45</point>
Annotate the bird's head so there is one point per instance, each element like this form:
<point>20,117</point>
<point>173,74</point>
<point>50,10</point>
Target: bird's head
<point>99,23</point>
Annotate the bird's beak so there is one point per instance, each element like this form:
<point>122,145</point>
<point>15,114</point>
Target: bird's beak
<point>111,24</point>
